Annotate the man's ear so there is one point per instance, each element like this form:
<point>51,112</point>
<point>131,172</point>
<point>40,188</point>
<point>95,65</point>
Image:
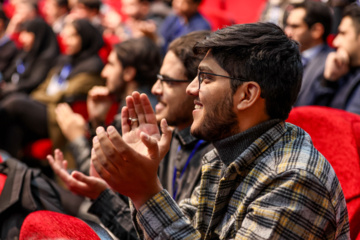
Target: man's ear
<point>247,95</point>
<point>129,73</point>
<point>317,30</point>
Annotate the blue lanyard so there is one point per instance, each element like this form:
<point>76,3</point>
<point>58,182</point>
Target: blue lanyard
<point>198,144</point>
<point>65,72</point>
<point>20,67</point>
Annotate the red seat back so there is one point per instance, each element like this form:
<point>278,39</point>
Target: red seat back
<point>336,134</point>
<point>53,225</point>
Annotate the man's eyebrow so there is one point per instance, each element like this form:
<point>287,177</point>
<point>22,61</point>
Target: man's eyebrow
<point>165,76</point>
<point>204,69</point>
<point>293,25</point>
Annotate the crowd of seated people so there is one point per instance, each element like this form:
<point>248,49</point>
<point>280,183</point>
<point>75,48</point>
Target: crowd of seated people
<point>204,172</point>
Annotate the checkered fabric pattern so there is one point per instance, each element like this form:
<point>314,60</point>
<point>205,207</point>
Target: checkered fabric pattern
<point>280,187</point>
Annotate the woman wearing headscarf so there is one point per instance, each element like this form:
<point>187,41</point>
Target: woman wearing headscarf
<point>33,62</point>
<point>74,74</point>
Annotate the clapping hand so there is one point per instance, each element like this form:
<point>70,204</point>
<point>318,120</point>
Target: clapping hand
<point>89,186</point>
<point>129,163</point>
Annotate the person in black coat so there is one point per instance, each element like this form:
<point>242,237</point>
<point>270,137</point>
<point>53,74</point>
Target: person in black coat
<point>8,48</point>
<point>31,65</point>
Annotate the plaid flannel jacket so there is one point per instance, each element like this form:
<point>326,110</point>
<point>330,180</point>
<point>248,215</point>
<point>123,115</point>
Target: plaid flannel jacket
<point>280,187</point>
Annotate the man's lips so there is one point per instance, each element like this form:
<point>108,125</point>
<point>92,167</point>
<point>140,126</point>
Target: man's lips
<point>159,106</point>
<point>198,105</point>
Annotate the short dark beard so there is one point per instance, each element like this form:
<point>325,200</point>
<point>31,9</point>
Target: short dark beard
<point>219,123</point>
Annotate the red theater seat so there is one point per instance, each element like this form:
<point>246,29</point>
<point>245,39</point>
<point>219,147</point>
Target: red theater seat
<point>52,225</point>
<point>336,134</point>
<point>214,12</point>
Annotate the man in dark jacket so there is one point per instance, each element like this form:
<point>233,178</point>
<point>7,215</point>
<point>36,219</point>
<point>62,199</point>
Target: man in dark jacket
<point>340,86</point>
<point>309,23</point>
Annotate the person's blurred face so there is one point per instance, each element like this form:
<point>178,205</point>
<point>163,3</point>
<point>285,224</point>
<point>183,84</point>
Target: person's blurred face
<point>80,11</point>
<point>113,73</point>
<point>27,40</point>
<point>71,40</point>
<point>111,20</point>
<point>297,29</point>
<point>173,103</point>
<point>134,8</point>
<point>185,8</point>
<point>348,39</point>
<point>52,11</point>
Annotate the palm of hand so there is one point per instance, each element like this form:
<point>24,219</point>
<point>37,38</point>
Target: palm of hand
<point>78,120</point>
<point>99,108</point>
<point>133,137</point>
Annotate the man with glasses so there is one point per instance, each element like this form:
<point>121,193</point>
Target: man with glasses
<point>180,169</point>
<point>263,180</point>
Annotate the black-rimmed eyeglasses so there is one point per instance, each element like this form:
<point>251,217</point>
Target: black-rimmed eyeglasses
<point>163,78</point>
<point>202,75</point>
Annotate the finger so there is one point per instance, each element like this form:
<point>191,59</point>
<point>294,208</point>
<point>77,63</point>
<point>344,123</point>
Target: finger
<point>59,158</point>
<point>165,139</point>
<point>99,168</point>
<point>77,186</point>
<point>148,110</point>
<point>82,177</point>
<point>105,150</point>
<point>139,108</point>
<point>124,151</point>
<point>92,171</point>
<point>58,170</point>
<point>151,144</point>
<point>51,161</point>
<point>55,167</point>
<point>67,109</point>
<point>65,164</point>
<point>125,124</point>
<point>59,112</point>
<point>131,107</point>
<point>98,90</point>
<point>132,112</point>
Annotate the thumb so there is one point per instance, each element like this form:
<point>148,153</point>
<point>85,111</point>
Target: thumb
<point>151,144</point>
<point>165,139</point>
<point>81,177</point>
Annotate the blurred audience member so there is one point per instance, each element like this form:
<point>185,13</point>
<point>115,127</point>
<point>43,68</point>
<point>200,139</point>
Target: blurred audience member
<point>24,117</point>
<point>8,48</point>
<point>88,9</point>
<point>309,23</point>
<point>185,19</point>
<point>338,8</point>
<point>340,86</point>
<point>55,14</point>
<point>181,168</point>
<point>31,65</point>
<point>138,22</point>
<point>341,83</point>
<point>24,10</point>
<point>132,66</point>
<point>111,23</point>
<point>275,12</point>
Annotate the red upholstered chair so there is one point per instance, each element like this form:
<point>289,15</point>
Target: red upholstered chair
<point>244,11</point>
<point>214,12</point>
<point>2,178</point>
<point>336,134</point>
<point>53,225</point>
